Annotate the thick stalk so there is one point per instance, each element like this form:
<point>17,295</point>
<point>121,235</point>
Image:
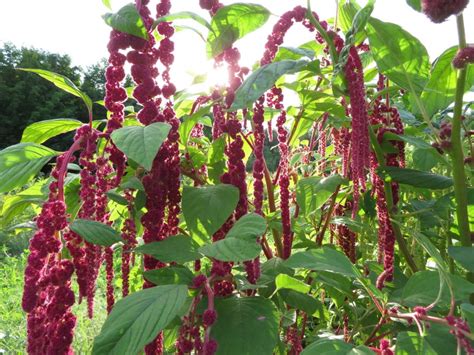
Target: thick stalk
<point>457,155</point>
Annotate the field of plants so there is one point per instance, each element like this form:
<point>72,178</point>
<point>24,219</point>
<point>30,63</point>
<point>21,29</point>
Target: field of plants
<point>318,202</point>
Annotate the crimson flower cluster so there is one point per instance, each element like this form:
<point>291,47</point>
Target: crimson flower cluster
<point>439,10</point>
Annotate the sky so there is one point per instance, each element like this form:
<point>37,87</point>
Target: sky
<point>75,27</point>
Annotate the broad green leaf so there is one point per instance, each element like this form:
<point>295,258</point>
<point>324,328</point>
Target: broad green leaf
<point>184,15</point>
<point>313,192</point>
<point>440,91</point>
<point>347,11</point>
<point>137,319</point>
<point>292,53</point>
<point>250,225</point>
<point>171,275</point>
<point>468,313</point>
<point>41,131</point>
<point>297,300</point>
<point>423,288</point>
<point>179,249</point>
<point>418,178</point>
<point>284,281</point>
<point>19,163</point>
<point>232,249</point>
<point>246,325</point>
<point>127,20</point>
<point>141,144</point>
<point>328,347</point>
<point>410,343</point>
<point>189,121</point>
<point>440,339</point>
<point>208,207</point>
<point>262,80</point>
<point>63,83</point>
<point>399,55</point>
<point>464,256</point>
<point>95,232</point>
<point>233,22</point>
<point>323,259</point>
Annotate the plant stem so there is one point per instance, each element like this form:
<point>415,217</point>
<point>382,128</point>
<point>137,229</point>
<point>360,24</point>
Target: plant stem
<point>457,155</point>
<point>390,205</point>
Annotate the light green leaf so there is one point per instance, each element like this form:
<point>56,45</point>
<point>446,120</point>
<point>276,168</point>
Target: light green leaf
<point>262,80</point>
<point>248,226</point>
<point>399,55</point>
<point>138,318</point>
<point>179,249</point>
<point>233,22</point>
<point>410,343</point>
<point>246,325</point>
<point>41,131</point>
<point>141,144</point>
<point>313,192</point>
<point>127,20</point>
<point>284,281</point>
<point>207,208</point>
<point>184,15</point>
<point>95,232</point>
<point>19,163</point>
<point>323,259</point>
<point>63,83</point>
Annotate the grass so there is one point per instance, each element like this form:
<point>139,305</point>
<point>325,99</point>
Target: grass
<point>13,319</point>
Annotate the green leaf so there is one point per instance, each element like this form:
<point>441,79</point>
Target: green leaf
<point>137,319</point>
<point>323,259</point>
<point>415,4</point>
<point>313,192</point>
<point>250,225</point>
<point>232,249</point>
<point>208,207</point>
<point>179,249</point>
<point>233,22</point>
<point>410,343</point>
<point>468,313</point>
<point>107,4</point>
<point>184,15</point>
<point>306,303</point>
<point>440,91</point>
<point>127,20</point>
<point>464,256</point>
<point>171,275</point>
<point>189,121</point>
<point>247,325</point>
<point>141,144</point>
<point>19,163</point>
<point>284,281</point>
<point>399,55</point>
<point>95,232</point>
<point>262,80</point>
<point>63,83</point>
<point>328,347</point>
<point>41,131</point>
<point>418,178</point>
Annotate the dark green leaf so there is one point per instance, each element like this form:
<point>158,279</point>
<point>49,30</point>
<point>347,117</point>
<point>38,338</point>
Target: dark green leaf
<point>248,226</point>
<point>179,249</point>
<point>95,232</point>
<point>468,313</point>
<point>313,192</point>
<point>141,144</point>
<point>323,259</point>
<point>418,178</point>
<point>247,325</point>
<point>262,80</point>
<point>410,343</point>
<point>328,347</point>
<point>63,83</point>
<point>19,163</point>
<point>127,20</point>
<point>41,131</point>
<point>399,55</point>
<point>171,275</point>
<point>137,319</point>
<point>232,249</point>
<point>464,256</point>
<point>208,207</point>
<point>233,22</point>
<point>306,303</point>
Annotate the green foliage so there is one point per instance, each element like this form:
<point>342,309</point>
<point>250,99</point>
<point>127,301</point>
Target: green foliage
<point>127,20</point>
<point>95,232</point>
